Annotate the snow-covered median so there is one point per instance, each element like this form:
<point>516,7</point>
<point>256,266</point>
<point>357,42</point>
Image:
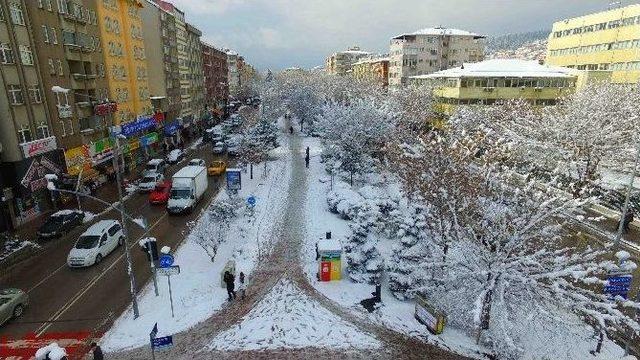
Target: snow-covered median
<point>287,318</point>
<point>197,290</point>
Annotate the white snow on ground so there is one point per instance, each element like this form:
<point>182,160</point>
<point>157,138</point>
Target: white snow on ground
<point>287,318</point>
<point>197,290</point>
<point>396,314</point>
<point>88,216</point>
<point>13,245</point>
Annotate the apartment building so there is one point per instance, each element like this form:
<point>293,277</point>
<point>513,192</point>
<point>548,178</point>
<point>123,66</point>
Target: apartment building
<point>491,81</point>
<point>246,72</point>
<point>604,41</point>
<point>196,75</point>
<point>125,58</point>
<point>215,70</point>
<point>341,62</point>
<point>373,68</point>
<point>28,148</point>
<point>233,76</point>
<point>429,50</point>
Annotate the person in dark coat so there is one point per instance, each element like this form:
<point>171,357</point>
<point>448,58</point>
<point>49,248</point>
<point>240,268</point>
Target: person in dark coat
<point>97,352</point>
<point>291,130</point>
<point>242,287</point>
<point>628,219</point>
<point>306,160</point>
<point>229,280</point>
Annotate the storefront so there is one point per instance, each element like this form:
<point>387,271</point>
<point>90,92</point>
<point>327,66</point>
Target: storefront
<point>150,144</point>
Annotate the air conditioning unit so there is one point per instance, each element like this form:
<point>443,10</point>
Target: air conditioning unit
<point>488,88</point>
<point>537,89</point>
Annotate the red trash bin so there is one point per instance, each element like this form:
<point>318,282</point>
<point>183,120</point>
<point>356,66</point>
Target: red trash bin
<point>325,271</point>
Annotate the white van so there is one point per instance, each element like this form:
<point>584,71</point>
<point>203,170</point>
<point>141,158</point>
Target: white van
<point>157,166</point>
<point>97,242</point>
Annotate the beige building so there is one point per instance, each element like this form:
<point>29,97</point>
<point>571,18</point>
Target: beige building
<point>196,74</point>
<point>233,75</point>
<point>375,68</point>
<point>341,62</point>
<point>604,41</point>
<point>429,50</point>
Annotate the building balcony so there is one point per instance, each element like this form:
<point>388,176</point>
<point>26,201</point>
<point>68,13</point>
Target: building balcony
<point>74,16</point>
<point>64,111</point>
<point>83,82</point>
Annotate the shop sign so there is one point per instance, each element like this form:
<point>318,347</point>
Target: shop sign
<point>34,179</point>
<point>105,109</point>
<point>138,126</point>
<point>171,128</point>
<point>76,159</point>
<point>101,150</point>
<point>429,316</point>
<point>149,139</point>
<point>134,144</point>
<point>37,147</point>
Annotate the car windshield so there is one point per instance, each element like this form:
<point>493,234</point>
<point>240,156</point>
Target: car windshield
<point>87,242</point>
<point>4,300</point>
<point>151,167</point>
<point>58,219</point>
<point>160,188</point>
<point>217,164</point>
<point>180,193</point>
<point>148,179</point>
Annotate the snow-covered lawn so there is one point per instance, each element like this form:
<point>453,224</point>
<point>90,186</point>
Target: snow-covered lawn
<point>12,245</point>
<point>197,290</point>
<point>287,318</point>
<point>396,314</point>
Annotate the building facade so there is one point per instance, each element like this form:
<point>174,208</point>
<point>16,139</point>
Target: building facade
<point>604,41</point>
<point>125,58</point>
<point>374,69</point>
<point>171,67</point>
<point>196,75</point>
<point>429,50</point>
<point>233,76</point>
<point>28,148</point>
<point>341,62</point>
<point>491,81</point>
<point>215,70</point>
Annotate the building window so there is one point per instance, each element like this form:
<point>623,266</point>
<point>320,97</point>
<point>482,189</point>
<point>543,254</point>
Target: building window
<point>41,4</point>
<point>45,33</point>
<point>15,95</point>
<point>52,67</point>
<point>17,17</point>
<point>49,5</point>
<point>26,55</point>
<point>42,131</point>
<point>6,54</point>
<point>54,35</point>
<point>71,131</point>
<point>35,95</point>
<point>63,131</point>
<point>63,7</point>
<point>25,133</point>
<point>60,70</point>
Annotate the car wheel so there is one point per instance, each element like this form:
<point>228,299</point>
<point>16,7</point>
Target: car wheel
<point>18,310</point>
<point>121,241</point>
<point>98,259</point>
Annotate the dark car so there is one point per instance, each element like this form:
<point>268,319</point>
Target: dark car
<point>59,223</point>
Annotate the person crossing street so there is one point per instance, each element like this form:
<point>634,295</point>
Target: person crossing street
<point>229,280</point>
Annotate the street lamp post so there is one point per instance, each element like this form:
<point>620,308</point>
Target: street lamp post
<point>625,207</point>
<point>116,153</point>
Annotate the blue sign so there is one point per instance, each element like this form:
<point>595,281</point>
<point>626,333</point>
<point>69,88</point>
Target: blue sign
<point>618,285</point>
<point>162,342</point>
<point>137,126</point>
<point>171,128</point>
<point>251,200</point>
<point>166,261</point>
<point>234,179</point>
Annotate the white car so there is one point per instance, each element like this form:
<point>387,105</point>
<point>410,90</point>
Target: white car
<point>150,181</point>
<point>175,156</point>
<point>197,162</point>
<point>94,244</point>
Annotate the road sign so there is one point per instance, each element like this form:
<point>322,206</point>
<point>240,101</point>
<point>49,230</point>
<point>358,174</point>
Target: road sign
<point>234,179</point>
<point>162,342</point>
<point>166,260</point>
<point>618,285</point>
<point>251,201</point>
<point>168,271</point>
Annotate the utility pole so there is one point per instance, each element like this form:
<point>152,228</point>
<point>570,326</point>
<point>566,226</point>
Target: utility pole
<point>625,208</point>
<point>132,279</point>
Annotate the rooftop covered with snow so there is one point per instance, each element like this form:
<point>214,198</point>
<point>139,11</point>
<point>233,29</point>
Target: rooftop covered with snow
<point>438,31</point>
<point>502,68</point>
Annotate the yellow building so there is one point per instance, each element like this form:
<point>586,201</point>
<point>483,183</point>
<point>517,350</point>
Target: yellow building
<point>608,40</point>
<point>124,57</point>
<point>374,68</point>
<point>491,81</point>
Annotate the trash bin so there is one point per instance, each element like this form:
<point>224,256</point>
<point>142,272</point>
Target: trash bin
<point>330,262</point>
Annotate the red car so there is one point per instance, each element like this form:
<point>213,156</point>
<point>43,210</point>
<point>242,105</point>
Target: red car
<point>160,195</point>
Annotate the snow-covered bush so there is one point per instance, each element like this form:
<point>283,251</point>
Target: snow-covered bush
<point>363,258</point>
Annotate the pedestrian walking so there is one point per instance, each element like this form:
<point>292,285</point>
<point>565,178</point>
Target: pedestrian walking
<point>306,160</point>
<point>229,280</point>
<point>242,286</point>
<point>628,219</point>
<point>291,130</point>
<point>97,352</point>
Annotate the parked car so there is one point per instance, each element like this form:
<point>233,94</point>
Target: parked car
<point>197,162</point>
<point>96,243</point>
<point>12,304</point>
<point>217,168</point>
<point>219,148</point>
<point>175,156</point>
<point>59,223</point>
<point>150,181</point>
<point>160,195</point>
<point>155,166</point>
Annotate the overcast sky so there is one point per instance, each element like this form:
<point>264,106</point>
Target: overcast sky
<point>276,34</point>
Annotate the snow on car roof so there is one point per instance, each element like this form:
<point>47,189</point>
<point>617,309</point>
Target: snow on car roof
<point>66,212</point>
<point>99,227</point>
<point>154,161</point>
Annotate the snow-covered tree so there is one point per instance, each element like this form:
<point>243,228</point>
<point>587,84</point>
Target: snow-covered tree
<point>354,135</point>
<point>363,258</point>
<point>214,226</point>
<point>258,141</point>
